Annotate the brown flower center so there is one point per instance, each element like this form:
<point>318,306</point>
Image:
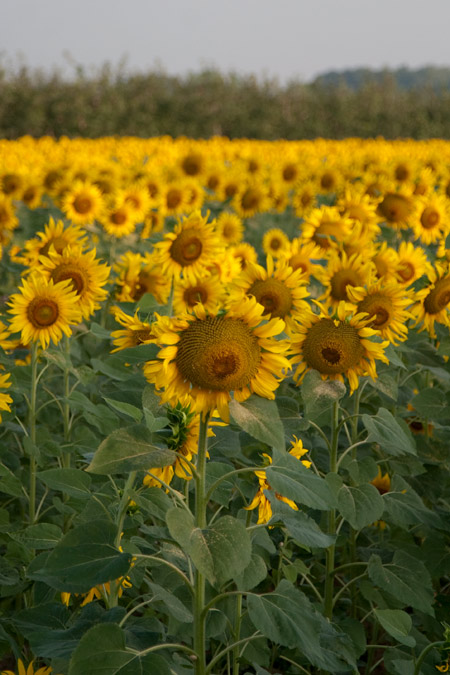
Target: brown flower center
<point>42,312</point>
<point>332,349</point>
<point>74,273</point>
<point>340,280</point>
<point>82,204</point>
<point>439,297</point>
<point>273,295</point>
<point>395,208</point>
<point>196,294</point>
<point>379,307</point>
<point>430,218</point>
<point>186,248</point>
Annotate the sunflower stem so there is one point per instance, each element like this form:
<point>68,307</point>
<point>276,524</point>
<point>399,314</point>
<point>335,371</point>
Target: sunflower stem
<point>329,574</point>
<point>32,425</point>
<point>200,522</point>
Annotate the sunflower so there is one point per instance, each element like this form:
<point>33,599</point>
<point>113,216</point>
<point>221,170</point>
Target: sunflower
<point>139,275</point>
<point>336,346</point>
<point>385,260</point>
<point>208,290</point>
<point>275,242</point>
<point>119,220</point>
<point>280,290</point>
<point>382,482</point>
<point>8,218</point>
<point>229,227</point>
<point>433,301</point>
<point>43,310</point>
<point>153,222</point>
<point>189,249</point>
<point>260,500</point>
<point>211,355</point>
<point>21,670</point>
<point>386,304</point>
<point>396,208</point>
<point>55,236</point>
<point>245,253</point>
<point>251,198</point>
<point>412,263</point>
<point>304,199</point>
<point>326,227</point>
<point>86,273</point>
<point>344,271</point>
<point>431,219</point>
<point>136,332</point>
<point>5,399</point>
<point>82,203</point>
<point>301,256</point>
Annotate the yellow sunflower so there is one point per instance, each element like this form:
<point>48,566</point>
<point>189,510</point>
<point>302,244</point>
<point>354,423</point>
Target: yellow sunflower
<point>21,670</point>
<point>301,256</point>
<point>8,218</point>
<point>189,249</point>
<point>280,290</point>
<point>135,333</point>
<point>336,346</point>
<point>86,273</point>
<point>250,199</point>
<point>431,219</point>
<point>211,355</point>
<point>229,227</point>
<point>343,271</point>
<point>43,310</point>
<point>275,242</point>
<point>412,263</point>
<point>208,290</point>
<point>139,275</point>
<point>304,199</point>
<point>386,304</point>
<point>5,399</point>
<point>396,208</point>
<point>433,302</point>
<point>82,203</point>
<point>326,227</point>
<point>260,500</point>
<point>245,253</point>
<point>119,220</point>
<point>385,260</point>
<point>57,236</point>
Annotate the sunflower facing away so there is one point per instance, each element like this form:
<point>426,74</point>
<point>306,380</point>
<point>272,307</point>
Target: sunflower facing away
<point>336,346</point>
<point>43,311</point>
<point>211,355</point>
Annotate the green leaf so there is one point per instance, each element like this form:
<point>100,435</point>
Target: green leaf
<point>102,651</point>
<point>73,482</point>
<point>393,438</point>
<point>173,604</point>
<point>301,527</point>
<point>138,355</point>
<point>259,417</point>
<point>405,578</point>
<point>41,536</point>
<point>319,395</point>
<point>287,617</point>
<point>397,623</point>
<point>361,505</point>
<point>404,507</point>
<point>221,551</point>
<point>85,557</point>
<point>252,575</point>
<point>181,524</point>
<point>9,483</point>
<point>113,367</point>
<point>287,476</point>
<point>432,403</point>
<point>124,408</point>
<point>9,575</point>
<point>387,384</point>
<point>129,449</point>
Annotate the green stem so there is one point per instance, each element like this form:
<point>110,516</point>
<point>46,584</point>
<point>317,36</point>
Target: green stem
<point>423,654</point>
<point>200,522</point>
<point>231,647</point>
<point>237,632</point>
<point>32,425</point>
<point>329,574</point>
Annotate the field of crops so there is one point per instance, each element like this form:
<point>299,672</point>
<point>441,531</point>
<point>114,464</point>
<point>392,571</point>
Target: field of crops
<point>224,396</point>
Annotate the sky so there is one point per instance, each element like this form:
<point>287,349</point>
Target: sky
<point>283,39</point>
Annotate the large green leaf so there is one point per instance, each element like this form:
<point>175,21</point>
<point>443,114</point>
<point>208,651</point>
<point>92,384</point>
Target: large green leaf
<point>41,536</point>
<point>124,408</point>
<point>9,483</point>
<point>102,651</point>
<point>174,606</point>
<point>181,524</point>
<point>221,551</point>
<point>290,478</point>
<point>85,557</point>
<point>404,507</point>
<point>287,617</point>
<point>73,482</point>
<point>253,574</point>
<point>259,418</point>
<point>301,527</point>
<point>393,437</point>
<point>129,449</point>
<point>406,578</point>
<point>360,505</point>
<point>319,395</point>
<point>397,623</point>
<point>432,403</point>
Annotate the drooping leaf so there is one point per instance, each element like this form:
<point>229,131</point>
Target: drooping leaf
<point>259,417</point>
<point>73,482</point>
<point>301,527</point>
<point>124,408</point>
<point>361,505</point>
<point>290,478</point>
<point>175,607</point>
<point>129,449</point>
<point>393,437</point>
<point>397,623</point>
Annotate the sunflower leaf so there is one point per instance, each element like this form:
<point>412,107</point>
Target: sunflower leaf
<point>392,436</point>
<point>319,395</point>
<point>290,478</point>
<point>397,623</point>
<point>360,505</point>
<point>259,417</point>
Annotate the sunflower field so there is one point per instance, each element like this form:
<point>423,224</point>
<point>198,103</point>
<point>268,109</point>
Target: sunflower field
<point>225,407</point>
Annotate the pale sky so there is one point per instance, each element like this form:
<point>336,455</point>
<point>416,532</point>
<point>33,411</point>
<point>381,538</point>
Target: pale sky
<point>287,39</point>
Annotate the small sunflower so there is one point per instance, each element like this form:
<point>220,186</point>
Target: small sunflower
<point>386,304</point>
<point>433,302</point>
<point>118,220</point>
<point>8,218</point>
<point>43,310</point>
<point>326,227</point>
<point>431,219</point>
<point>260,500</point>
<point>396,208</point>
<point>412,263</point>
<point>211,355</point>
<point>208,290</point>
<point>275,242</point>
<point>336,346</point>
<point>245,253</point>
<point>342,272</point>
<point>21,670</point>
<point>139,275</point>
<point>280,290</point>
<point>55,236</point>
<point>304,199</point>
<point>385,260</point>
<point>82,203</point>
<point>251,198</point>
<point>230,228</point>
<point>5,399</point>
<point>189,249</point>
<point>302,256</point>
<point>135,333</point>
<point>86,273</point>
